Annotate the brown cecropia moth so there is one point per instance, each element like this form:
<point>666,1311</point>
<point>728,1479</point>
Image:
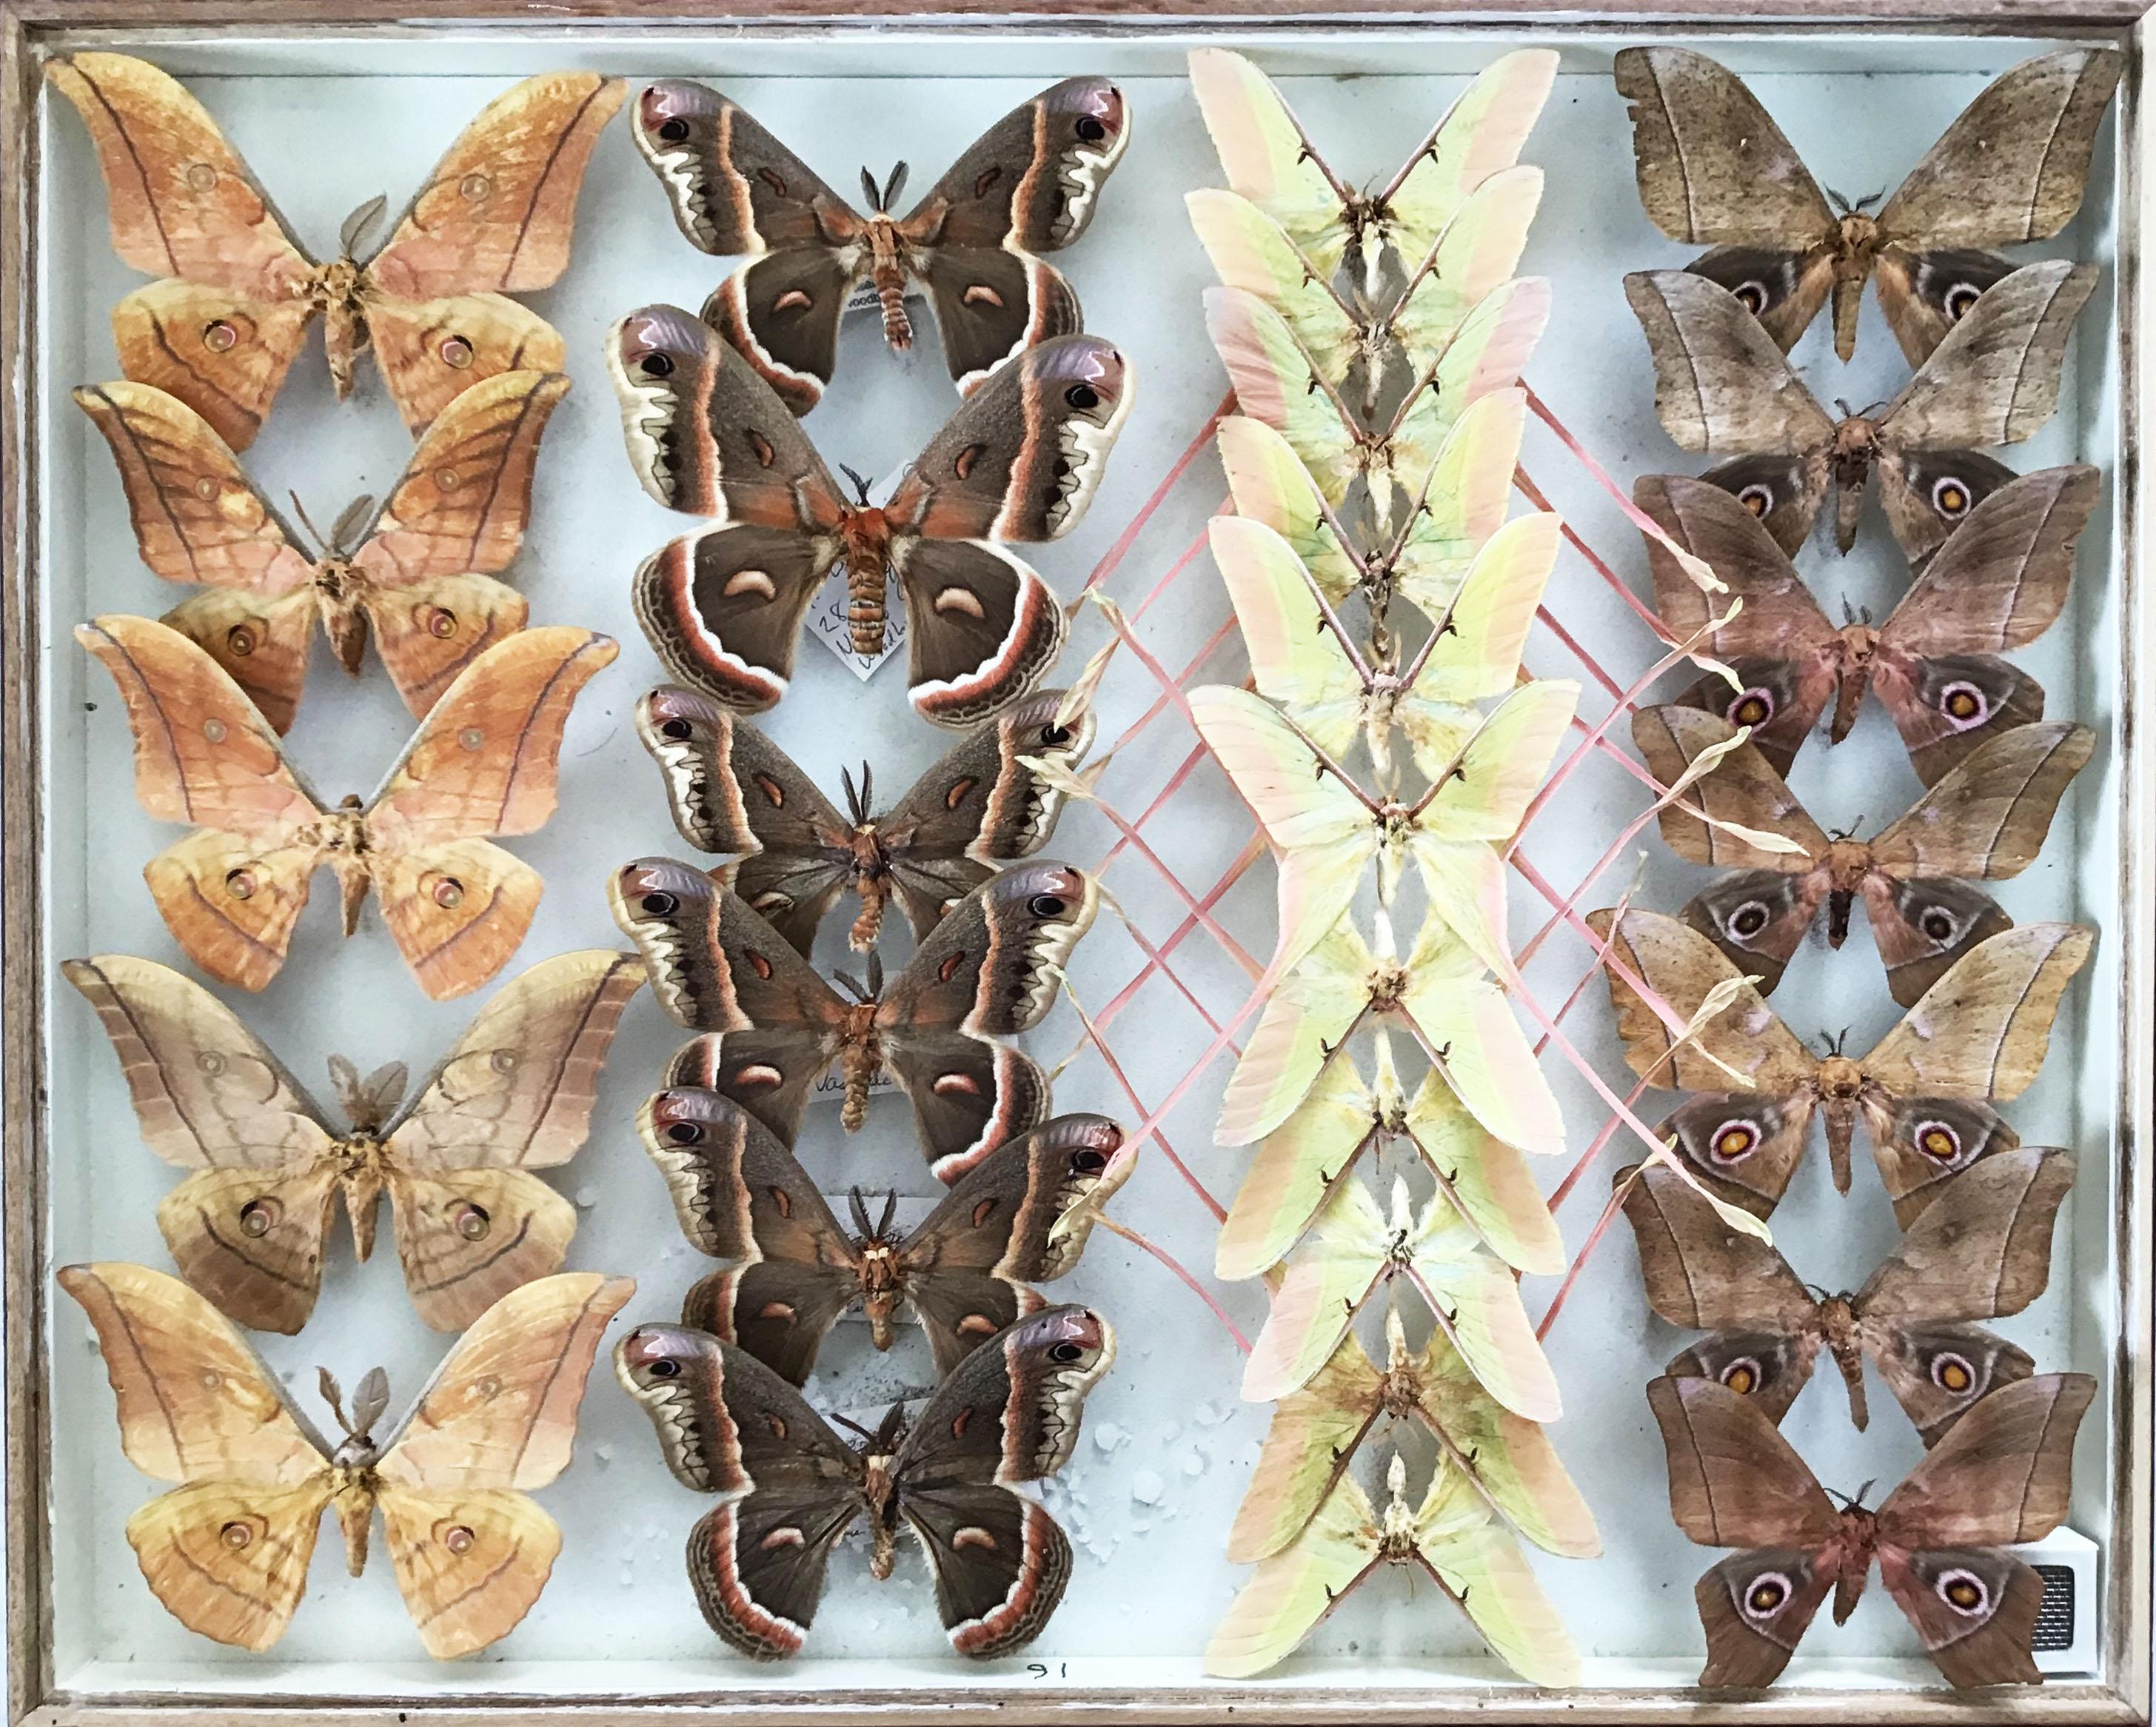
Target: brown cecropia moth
<point>1029,184</point>
<point>789,1485</point>
<point>1020,461</point>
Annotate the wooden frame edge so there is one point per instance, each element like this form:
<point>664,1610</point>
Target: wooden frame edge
<point>2126,1654</point>
<point>21,1026</point>
<point>33,1699</point>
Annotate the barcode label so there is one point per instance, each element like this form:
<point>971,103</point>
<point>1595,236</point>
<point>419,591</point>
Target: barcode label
<point>2055,1616</point>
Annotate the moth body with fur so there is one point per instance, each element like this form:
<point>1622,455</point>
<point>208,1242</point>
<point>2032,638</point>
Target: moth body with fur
<point>1029,184</point>
<point>495,217</point>
<point>790,1487</point>
<point>1713,165</point>
<point>992,799</point>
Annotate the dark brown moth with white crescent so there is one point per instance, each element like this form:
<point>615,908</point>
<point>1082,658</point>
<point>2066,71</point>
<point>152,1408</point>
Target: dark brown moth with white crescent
<point>2002,1477</point>
<point>1723,388</point>
<point>1985,820</point>
<point>1029,184</point>
<point>1925,1092</point>
<point>1020,461</point>
<point>990,968</point>
<point>1982,1251</point>
<point>1020,1216</point>
<point>1999,582</point>
<point>789,1486</point>
<point>250,1226</point>
<point>986,804</point>
<point>1713,166</point>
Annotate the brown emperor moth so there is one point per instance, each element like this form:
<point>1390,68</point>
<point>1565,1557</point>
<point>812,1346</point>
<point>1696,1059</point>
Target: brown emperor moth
<point>1714,167</point>
<point>1924,1091</point>
<point>1985,820</point>
<point>1981,1251</point>
<point>2002,1476</point>
<point>1999,582</point>
<point>1722,387</point>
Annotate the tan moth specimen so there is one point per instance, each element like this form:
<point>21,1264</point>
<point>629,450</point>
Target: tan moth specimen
<point>227,1550</point>
<point>248,1229</point>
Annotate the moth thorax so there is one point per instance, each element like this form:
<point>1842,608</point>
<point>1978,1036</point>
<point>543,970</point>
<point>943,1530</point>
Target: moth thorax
<point>880,1494</point>
<point>1848,863</point>
<point>1859,239</point>
<point>337,284</point>
<point>882,1286</point>
<point>1840,1079</point>
<point>1388,983</point>
<point>1856,443</point>
<point>865,536</point>
<point>1399,1392</point>
<point>1837,1320</point>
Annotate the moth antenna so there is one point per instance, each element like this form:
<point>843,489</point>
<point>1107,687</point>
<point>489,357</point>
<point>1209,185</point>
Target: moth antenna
<point>1864,204</point>
<point>860,481</point>
<point>848,1422</point>
<point>860,1212</point>
<point>868,793</point>
<point>326,1383</point>
<point>875,978</point>
<point>853,797</point>
<point>892,1428</point>
<point>893,187</point>
<point>853,984</point>
<point>1840,204</point>
<point>355,225</point>
<point>868,189</point>
<point>320,539</point>
<point>890,1211</point>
